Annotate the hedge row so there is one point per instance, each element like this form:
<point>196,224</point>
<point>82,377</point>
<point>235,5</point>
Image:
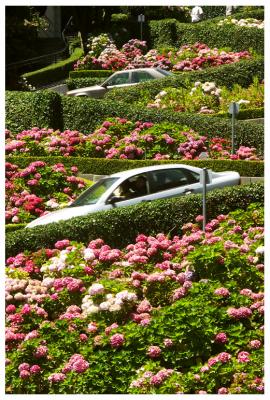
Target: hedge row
<point>249,113</point>
<point>170,32</point>
<point>95,73</point>
<point>28,109</point>
<point>119,226</point>
<point>75,83</point>
<point>13,227</point>
<point>85,114</point>
<point>100,166</point>
<point>242,73</point>
<point>54,72</point>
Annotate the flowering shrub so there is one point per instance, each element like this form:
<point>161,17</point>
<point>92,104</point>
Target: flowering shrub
<point>57,342</point>
<point>33,191</point>
<point>246,23</point>
<point>207,98</point>
<point>200,56</point>
<point>104,54</point>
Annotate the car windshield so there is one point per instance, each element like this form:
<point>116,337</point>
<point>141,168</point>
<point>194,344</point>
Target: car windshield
<point>93,194</point>
<point>164,72</point>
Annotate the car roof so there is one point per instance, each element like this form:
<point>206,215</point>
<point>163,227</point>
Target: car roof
<point>135,171</point>
<point>137,69</point>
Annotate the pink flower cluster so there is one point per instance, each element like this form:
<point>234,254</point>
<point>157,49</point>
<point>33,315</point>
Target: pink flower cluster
<point>29,191</point>
<point>76,363</point>
<point>204,57</point>
<point>154,351</point>
<point>239,313</point>
<point>26,370</point>
<point>117,340</point>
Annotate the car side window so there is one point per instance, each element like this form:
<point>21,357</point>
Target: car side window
<point>171,178</point>
<point>131,188</point>
<point>119,79</point>
<point>140,76</point>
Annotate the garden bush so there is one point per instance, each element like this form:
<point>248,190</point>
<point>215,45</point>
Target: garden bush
<point>76,83</point>
<point>151,318</point>
<point>249,113</point>
<point>173,33</point>
<point>41,108</point>
<point>94,73</point>
<point>241,72</point>
<point>38,188</point>
<point>54,72</point>
<point>100,166</point>
<point>120,226</point>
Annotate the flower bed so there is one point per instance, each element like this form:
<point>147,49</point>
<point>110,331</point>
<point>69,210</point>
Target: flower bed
<point>123,139</point>
<point>33,191</point>
<point>246,23</point>
<point>105,55</point>
<point>81,315</point>
<point>208,98</point>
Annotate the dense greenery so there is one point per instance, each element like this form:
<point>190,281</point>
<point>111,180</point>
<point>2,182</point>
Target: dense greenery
<point>54,72</point>
<point>75,83</point>
<point>170,32</point>
<point>94,73</point>
<point>105,166</point>
<point>119,226</point>
<point>26,109</point>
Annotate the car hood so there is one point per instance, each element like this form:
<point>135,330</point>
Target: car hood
<point>85,89</point>
<point>63,214</point>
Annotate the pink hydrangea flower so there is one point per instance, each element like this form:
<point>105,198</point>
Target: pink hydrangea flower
<point>117,340</point>
<point>243,357</point>
<point>221,338</point>
<point>255,344</point>
<point>223,292</point>
<point>154,351</point>
<point>56,377</point>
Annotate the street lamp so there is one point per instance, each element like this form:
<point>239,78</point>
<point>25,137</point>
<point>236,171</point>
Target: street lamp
<point>141,19</point>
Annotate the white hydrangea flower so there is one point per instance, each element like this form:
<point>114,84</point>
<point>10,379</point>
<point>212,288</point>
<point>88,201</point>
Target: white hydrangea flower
<point>88,254</point>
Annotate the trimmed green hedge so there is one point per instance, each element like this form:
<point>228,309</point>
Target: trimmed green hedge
<point>101,166</point>
<point>54,72</point>
<point>76,83</point>
<point>84,114</point>
<point>170,32</point>
<point>249,113</point>
<point>241,73</point>
<point>14,227</point>
<point>95,73</point>
<point>119,226</point>
<point>25,110</point>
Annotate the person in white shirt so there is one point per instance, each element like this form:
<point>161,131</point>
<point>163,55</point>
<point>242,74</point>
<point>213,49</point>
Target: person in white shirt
<point>229,10</point>
<point>196,14</point>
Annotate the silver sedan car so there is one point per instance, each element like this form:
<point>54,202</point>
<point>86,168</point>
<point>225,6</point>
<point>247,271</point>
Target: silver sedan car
<point>121,79</point>
<point>137,186</point>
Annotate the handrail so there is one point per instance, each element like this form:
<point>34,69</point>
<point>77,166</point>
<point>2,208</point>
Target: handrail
<point>36,60</point>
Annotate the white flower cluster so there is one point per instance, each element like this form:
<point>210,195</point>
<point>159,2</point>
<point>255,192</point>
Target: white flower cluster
<point>207,87</point>
<point>247,23</point>
<point>112,303</point>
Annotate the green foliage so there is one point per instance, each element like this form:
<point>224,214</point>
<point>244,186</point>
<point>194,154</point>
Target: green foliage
<point>95,73</point>
<point>54,72</point>
<point>249,113</point>
<point>26,109</point>
<point>174,33</point>
<point>76,83</point>
<point>14,227</point>
<point>119,226</point>
<point>98,166</point>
